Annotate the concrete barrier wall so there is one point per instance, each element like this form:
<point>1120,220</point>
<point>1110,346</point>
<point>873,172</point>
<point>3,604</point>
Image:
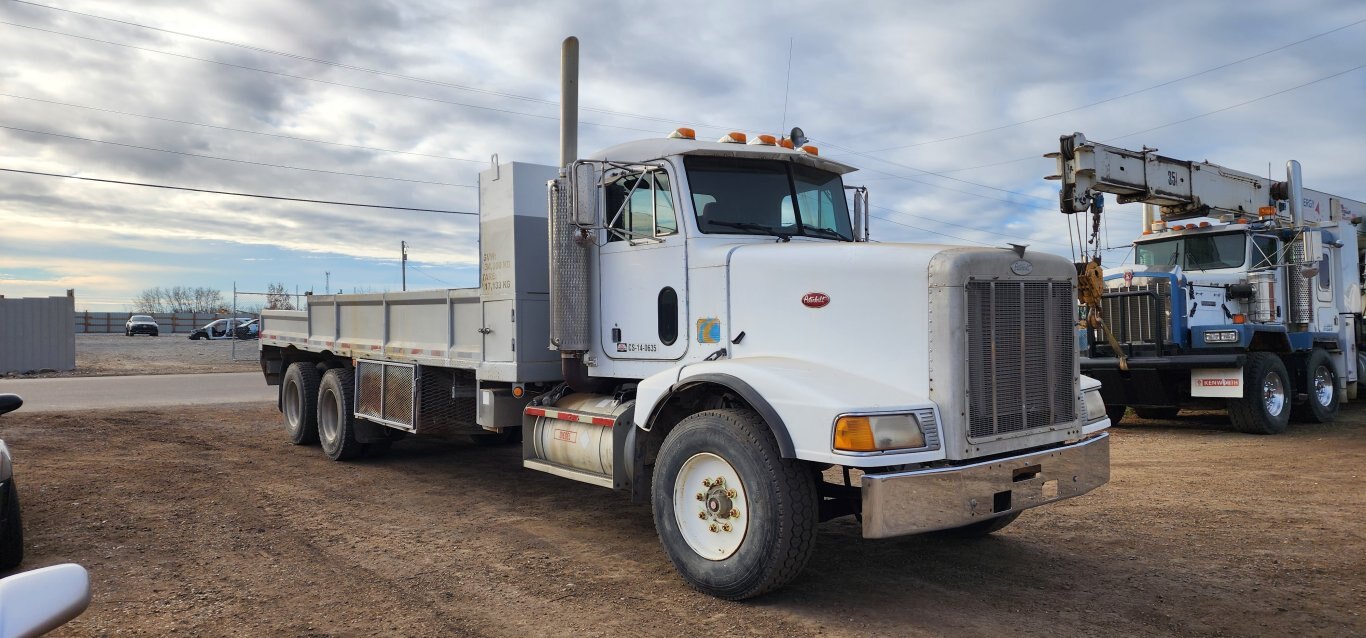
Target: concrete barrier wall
<point>35,334</point>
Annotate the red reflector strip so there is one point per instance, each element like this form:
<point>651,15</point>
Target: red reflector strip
<point>573,417</point>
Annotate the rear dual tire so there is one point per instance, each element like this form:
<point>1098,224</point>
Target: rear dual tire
<point>299,403</point>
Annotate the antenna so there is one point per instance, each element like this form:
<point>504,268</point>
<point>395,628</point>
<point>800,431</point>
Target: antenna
<point>787,89</point>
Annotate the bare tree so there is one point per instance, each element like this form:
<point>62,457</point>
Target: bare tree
<point>178,299</point>
<point>277,298</point>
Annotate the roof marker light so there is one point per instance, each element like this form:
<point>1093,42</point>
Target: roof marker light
<point>683,133</point>
<point>733,138</point>
<point>811,150</point>
<point>785,143</point>
<point>764,140</point>
<point>1204,224</point>
<point>1266,211</point>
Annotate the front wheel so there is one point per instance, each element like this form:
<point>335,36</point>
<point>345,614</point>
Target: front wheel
<point>1264,407</point>
<point>736,519</point>
<point>1321,384</point>
<point>12,534</point>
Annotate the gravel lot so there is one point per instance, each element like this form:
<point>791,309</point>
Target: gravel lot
<point>204,521</point>
<point>102,355</point>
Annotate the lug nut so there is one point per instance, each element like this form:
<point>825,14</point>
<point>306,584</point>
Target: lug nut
<point>730,494</point>
<point>726,527</point>
<point>701,496</point>
<point>713,527</point>
<point>734,513</point>
<point>706,482</point>
<point>702,515</point>
<point>720,480</point>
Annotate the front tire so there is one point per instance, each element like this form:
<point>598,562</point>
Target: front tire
<point>337,416</point>
<point>299,403</point>
<point>754,527</point>
<point>1264,407</point>
<point>1321,384</point>
<point>12,535</point>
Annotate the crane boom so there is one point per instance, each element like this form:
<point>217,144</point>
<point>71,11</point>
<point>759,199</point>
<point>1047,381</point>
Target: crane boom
<point>1184,189</point>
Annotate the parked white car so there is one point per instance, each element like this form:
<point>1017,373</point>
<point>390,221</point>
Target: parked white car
<point>219,329</point>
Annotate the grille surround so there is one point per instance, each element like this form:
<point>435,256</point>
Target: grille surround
<point>1021,356</point>
<point>1138,313</point>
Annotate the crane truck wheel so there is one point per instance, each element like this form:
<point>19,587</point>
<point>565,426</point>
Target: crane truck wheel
<point>1321,384</point>
<point>337,415</point>
<point>1157,413</point>
<point>299,403</point>
<point>1264,407</point>
<point>735,518</point>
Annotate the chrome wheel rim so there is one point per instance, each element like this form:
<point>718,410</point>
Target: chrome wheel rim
<point>293,404</point>
<point>328,416</point>
<point>711,506</point>
<point>1323,386</point>
<point>1273,394</point>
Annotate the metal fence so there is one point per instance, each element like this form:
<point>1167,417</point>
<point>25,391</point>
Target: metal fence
<point>35,333</point>
<point>169,322</point>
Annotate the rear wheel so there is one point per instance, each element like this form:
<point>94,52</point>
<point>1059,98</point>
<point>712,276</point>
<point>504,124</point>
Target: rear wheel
<point>337,416</point>
<point>735,518</point>
<point>1321,384</point>
<point>1264,407</point>
<point>1157,413</point>
<point>299,403</point>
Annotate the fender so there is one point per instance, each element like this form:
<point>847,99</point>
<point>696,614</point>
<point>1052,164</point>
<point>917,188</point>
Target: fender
<point>798,399</point>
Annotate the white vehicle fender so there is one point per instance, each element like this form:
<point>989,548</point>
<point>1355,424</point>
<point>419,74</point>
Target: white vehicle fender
<point>799,400</point>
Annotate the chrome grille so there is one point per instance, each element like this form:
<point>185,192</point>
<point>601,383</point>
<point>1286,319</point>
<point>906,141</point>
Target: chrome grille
<point>1138,313</point>
<point>1021,356</point>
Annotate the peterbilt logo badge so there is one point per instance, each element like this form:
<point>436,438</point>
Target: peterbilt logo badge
<point>815,299</point>
<point>1128,277</point>
<point>1021,267</point>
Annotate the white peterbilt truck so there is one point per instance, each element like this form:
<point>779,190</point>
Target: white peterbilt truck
<point>722,338</point>
<point>1245,292</point>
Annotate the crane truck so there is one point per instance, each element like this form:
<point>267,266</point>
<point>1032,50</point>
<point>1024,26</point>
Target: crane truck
<point>705,327</point>
<point>1244,292</point>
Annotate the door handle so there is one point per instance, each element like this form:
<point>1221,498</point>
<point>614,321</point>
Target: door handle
<point>484,331</point>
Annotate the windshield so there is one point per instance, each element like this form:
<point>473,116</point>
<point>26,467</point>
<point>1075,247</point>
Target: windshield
<point>140,318</point>
<point>1195,252</point>
<point>767,197</point>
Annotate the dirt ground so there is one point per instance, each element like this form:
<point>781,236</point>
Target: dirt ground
<point>205,521</point>
<point>102,355</point>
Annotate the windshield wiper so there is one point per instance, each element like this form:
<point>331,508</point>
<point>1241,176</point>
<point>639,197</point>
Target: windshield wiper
<point>763,230</point>
<point>823,232</point>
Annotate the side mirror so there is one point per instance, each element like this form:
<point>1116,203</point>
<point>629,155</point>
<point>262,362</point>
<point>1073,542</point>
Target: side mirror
<point>10,403</point>
<point>585,201</point>
<point>36,602</point>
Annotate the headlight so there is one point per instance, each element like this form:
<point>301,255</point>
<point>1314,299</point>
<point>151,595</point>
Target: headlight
<point>878,432</point>
<point>1221,336</point>
<point>1095,406</point>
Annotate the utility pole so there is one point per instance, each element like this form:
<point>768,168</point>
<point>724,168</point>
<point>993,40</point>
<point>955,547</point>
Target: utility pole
<point>403,246</point>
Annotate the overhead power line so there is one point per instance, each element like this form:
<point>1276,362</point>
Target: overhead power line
<point>235,194</point>
<point>321,81</point>
<point>239,161</point>
<point>242,130</point>
<point>1122,95</point>
<point>342,65</point>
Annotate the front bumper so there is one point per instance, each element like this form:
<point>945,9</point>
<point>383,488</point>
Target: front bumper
<point>900,503</point>
<point>143,329</point>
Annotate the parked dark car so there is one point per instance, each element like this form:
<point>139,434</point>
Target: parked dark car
<point>11,523</point>
<point>141,325</point>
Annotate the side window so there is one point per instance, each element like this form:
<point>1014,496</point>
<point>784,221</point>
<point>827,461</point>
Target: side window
<point>1264,252</point>
<point>1325,272</point>
<point>668,316</point>
<point>640,205</point>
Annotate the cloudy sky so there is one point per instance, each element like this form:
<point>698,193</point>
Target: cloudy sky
<point>946,106</point>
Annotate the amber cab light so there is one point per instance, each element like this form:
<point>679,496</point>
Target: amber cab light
<point>683,133</point>
<point>733,138</point>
